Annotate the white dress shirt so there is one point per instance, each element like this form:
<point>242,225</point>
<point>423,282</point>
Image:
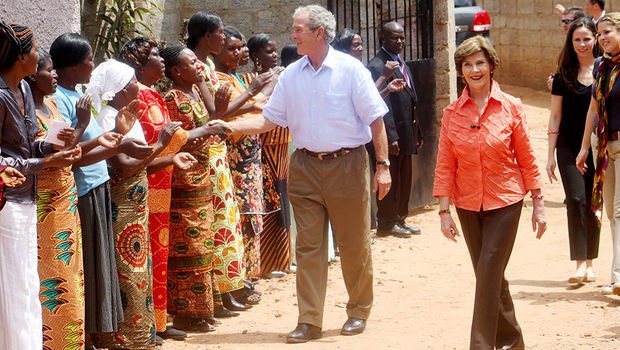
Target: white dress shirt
<point>329,108</point>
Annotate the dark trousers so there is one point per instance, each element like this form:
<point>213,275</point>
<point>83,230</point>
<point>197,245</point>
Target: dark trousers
<point>583,230</point>
<point>394,207</point>
<point>490,236</point>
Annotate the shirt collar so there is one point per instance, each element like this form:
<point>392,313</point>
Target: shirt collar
<point>496,94</point>
<point>330,60</point>
<point>392,56</point>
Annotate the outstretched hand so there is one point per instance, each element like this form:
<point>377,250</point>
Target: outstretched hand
<point>11,177</point>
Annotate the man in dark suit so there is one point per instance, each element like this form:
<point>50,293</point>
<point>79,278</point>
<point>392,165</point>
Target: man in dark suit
<point>403,131</point>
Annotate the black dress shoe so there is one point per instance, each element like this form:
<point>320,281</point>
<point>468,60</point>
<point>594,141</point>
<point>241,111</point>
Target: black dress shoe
<point>232,304</point>
<point>304,333</point>
<point>222,312</point>
<point>159,340</point>
<point>415,230</point>
<point>172,333</point>
<point>395,231</point>
<point>353,326</point>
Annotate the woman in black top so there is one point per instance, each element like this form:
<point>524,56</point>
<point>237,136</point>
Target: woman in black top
<point>570,98</point>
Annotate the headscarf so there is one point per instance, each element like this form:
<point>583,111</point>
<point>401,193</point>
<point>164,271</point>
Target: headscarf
<point>14,39</point>
<point>608,72</point>
<point>107,80</point>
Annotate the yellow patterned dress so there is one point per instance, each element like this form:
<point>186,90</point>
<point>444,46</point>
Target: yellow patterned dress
<point>60,252</point>
<point>229,267</point>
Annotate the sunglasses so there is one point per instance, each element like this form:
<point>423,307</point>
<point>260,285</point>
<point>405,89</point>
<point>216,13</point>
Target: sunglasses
<point>567,20</point>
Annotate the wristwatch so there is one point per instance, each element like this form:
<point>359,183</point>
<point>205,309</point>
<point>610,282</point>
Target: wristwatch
<point>385,162</point>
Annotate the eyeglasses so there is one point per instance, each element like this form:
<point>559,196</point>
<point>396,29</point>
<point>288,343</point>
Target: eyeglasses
<point>567,20</point>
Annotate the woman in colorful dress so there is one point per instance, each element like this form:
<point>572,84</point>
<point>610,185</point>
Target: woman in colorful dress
<point>113,87</point>
<point>20,309</point>
<point>206,38</point>
<point>197,207</point>
<point>61,270</point>
<point>142,54</point>
<point>276,236</point>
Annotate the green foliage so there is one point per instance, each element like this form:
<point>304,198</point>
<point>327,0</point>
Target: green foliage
<point>119,21</point>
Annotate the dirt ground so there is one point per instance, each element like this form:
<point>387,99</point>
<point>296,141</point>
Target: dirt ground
<point>424,287</point>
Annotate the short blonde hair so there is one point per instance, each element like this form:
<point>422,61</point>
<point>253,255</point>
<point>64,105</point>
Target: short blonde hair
<point>474,45</point>
<point>613,18</point>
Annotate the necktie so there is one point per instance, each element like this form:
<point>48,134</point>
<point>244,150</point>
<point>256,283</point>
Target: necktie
<point>403,70</point>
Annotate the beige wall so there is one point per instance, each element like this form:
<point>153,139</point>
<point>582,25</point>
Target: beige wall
<point>47,21</point>
<point>528,37</point>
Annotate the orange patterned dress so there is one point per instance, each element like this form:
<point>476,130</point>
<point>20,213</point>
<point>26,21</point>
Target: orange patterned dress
<point>60,252</point>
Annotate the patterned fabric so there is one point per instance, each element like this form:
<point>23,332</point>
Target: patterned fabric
<point>211,78</point>
<point>276,236</point>
<point>190,264</point>
<point>152,119</point>
<point>133,260</point>
<point>608,72</point>
<point>244,156</point>
<point>60,252</point>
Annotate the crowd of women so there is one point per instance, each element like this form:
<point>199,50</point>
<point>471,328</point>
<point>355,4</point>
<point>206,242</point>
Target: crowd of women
<point>124,207</point>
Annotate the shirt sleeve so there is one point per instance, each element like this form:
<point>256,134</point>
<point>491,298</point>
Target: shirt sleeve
<point>524,152</point>
<point>367,101</point>
<point>27,166</point>
<point>557,87</point>
<point>445,170</point>
<point>275,111</point>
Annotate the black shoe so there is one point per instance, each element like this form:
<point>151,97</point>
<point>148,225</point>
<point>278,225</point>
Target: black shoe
<point>222,312</point>
<point>232,304</point>
<point>395,231</point>
<point>304,333</point>
<point>415,230</point>
<point>353,326</point>
<point>159,341</point>
<point>213,321</point>
<point>172,333</point>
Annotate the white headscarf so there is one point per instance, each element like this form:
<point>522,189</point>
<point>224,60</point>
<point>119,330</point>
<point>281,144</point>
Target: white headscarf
<point>107,80</point>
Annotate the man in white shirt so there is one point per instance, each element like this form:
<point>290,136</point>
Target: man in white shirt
<point>332,108</point>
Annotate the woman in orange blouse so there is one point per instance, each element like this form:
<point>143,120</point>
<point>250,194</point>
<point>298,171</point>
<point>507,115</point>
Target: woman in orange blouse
<point>486,165</point>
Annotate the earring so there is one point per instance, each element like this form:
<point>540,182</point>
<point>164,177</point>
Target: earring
<point>259,65</point>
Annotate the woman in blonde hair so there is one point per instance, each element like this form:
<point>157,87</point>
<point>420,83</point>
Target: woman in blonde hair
<point>486,166</point>
<point>604,104</point>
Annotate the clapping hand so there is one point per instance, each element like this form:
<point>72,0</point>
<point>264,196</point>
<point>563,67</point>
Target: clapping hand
<point>82,110</point>
<point>136,148</point>
<point>184,160</point>
<point>11,177</point>
<point>166,133</point>
<point>259,82</point>
<point>389,67</point>
<point>218,128</point>
<point>63,158</point>
<point>222,97</point>
<point>127,116</point>
<point>110,139</point>
<point>397,85</point>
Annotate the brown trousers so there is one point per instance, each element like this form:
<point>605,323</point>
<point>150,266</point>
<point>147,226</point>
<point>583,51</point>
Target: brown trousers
<point>490,236</point>
<point>336,191</point>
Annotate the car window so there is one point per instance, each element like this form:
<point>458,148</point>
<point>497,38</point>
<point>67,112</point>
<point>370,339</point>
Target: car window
<point>464,3</point>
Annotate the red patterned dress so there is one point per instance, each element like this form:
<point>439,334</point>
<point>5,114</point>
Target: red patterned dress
<point>152,119</point>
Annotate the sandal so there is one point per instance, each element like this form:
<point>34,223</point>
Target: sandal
<point>190,324</point>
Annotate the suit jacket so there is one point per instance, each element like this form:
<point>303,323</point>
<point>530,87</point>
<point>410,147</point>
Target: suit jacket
<point>400,122</point>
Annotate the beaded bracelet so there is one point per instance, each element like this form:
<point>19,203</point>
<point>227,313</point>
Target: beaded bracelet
<point>540,196</point>
<point>445,211</point>
<point>553,132</point>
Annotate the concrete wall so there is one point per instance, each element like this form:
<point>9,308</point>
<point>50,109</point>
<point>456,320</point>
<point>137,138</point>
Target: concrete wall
<point>47,21</point>
<point>528,37</point>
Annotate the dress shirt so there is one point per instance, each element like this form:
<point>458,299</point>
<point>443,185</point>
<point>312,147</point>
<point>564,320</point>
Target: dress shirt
<point>18,148</point>
<point>87,177</point>
<point>487,163</point>
<point>329,108</point>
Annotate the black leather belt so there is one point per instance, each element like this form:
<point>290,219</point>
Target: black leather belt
<point>328,155</point>
<point>613,136</point>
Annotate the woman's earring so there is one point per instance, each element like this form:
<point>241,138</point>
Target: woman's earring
<point>259,66</point>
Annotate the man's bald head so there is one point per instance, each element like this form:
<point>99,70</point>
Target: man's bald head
<point>393,37</point>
